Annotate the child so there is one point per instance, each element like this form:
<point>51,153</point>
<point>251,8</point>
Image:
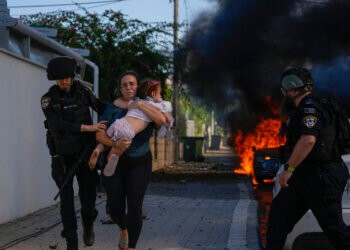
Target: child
<point>165,130</point>
<point>132,123</point>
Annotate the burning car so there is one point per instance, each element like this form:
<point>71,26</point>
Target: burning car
<point>265,163</point>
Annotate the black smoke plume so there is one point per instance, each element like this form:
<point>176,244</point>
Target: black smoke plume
<point>234,59</point>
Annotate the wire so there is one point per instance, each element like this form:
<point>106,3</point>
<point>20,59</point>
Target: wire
<point>63,4</point>
<point>95,6</point>
<point>35,234</point>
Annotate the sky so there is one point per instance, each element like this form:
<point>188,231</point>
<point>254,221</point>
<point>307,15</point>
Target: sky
<point>144,10</point>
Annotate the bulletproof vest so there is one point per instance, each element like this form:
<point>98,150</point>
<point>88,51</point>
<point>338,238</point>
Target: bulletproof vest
<point>324,149</point>
<point>72,107</point>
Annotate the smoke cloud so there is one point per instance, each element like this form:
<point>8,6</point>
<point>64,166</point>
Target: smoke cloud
<point>235,58</point>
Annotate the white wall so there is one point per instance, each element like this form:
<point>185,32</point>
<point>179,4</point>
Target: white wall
<point>25,172</point>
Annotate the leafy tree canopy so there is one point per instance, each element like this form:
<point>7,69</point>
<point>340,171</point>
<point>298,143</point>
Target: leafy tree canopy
<point>116,44</point>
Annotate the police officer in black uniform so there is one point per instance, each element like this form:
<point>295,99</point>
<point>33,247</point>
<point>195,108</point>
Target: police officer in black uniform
<point>70,135</point>
<point>315,175</point>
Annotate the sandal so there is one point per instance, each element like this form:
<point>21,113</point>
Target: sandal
<point>123,243</point>
<point>122,248</point>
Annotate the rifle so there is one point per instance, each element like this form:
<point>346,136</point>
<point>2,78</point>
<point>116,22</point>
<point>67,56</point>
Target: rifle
<point>73,169</point>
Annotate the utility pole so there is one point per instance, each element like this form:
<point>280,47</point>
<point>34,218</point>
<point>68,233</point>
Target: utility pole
<point>176,80</point>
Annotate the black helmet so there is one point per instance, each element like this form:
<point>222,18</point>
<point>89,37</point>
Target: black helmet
<point>60,68</point>
<point>297,78</point>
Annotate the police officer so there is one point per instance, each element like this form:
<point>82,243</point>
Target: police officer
<point>70,133</point>
<point>315,175</point>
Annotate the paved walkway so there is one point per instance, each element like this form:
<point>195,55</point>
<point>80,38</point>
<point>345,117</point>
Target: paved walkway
<point>188,215</point>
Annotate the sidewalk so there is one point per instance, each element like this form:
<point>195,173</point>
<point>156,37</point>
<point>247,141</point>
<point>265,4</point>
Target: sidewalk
<point>180,215</point>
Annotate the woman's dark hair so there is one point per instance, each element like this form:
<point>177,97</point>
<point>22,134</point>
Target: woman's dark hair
<point>146,87</point>
<point>116,92</point>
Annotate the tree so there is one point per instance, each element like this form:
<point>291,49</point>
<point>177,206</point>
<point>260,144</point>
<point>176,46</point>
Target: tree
<point>116,44</point>
<point>196,110</point>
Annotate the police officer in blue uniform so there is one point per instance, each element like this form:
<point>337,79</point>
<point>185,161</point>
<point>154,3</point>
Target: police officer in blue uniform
<point>315,175</point>
<point>66,107</point>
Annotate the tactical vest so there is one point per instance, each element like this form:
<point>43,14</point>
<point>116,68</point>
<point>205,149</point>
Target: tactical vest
<point>72,108</point>
<point>325,147</point>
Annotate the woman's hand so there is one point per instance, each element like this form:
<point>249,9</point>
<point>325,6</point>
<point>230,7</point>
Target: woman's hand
<point>134,105</point>
<point>121,145</point>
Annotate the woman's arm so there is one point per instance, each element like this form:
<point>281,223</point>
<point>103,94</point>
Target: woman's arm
<point>121,145</point>
<point>168,117</point>
<point>153,113</point>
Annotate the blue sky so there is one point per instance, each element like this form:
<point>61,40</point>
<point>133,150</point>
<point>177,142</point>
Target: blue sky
<point>145,10</point>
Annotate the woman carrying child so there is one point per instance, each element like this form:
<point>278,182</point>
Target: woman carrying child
<point>126,187</point>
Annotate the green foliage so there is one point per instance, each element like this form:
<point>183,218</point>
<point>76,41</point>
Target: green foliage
<point>167,92</point>
<point>197,111</point>
<point>116,44</point>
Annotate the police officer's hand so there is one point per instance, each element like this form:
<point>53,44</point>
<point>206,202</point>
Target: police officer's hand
<point>283,178</point>
<point>100,126</point>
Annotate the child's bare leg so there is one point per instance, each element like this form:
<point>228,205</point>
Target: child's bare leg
<point>111,165</point>
<point>94,156</point>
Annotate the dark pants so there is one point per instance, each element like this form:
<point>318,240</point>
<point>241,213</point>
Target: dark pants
<point>320,191</point>
<point>126,189</point>
<point>87,181</point>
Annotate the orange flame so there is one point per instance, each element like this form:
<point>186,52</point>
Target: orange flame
<point>266,135</point>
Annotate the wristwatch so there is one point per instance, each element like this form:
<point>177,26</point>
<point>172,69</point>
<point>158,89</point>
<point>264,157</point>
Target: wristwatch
<point>288,168</point>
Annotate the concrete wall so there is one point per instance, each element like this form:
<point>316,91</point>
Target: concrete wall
<point>25,178</point>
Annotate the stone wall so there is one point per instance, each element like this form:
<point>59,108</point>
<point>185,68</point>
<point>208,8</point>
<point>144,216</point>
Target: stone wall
<point>162,151</point>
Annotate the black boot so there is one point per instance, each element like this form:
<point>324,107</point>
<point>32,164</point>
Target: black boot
<point>71,239</point>
<point>72,243</point>
<point>89,235</point>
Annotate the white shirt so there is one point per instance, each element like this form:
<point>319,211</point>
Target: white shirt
<point>137,113</point>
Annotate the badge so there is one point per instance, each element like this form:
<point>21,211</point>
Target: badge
<point>45,101</point>
<point>310,121</point>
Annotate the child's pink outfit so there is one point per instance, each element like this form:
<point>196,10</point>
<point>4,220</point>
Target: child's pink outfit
<point>121,128</point>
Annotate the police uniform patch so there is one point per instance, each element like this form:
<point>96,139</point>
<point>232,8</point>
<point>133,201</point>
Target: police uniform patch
<point>45,101</point>
<point>310,121</point>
